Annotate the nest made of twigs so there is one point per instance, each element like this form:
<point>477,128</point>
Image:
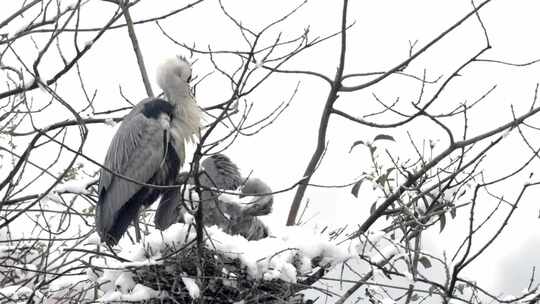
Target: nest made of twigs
<point>220,279</point>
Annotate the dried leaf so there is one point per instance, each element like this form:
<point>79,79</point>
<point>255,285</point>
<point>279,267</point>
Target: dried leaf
<point>356,187</point>
<point>373,208</point>
<point>453,212</point>
<point>356,143</point>
<point>425,262</point>
<point>383,137</point>
<point>442,220</point>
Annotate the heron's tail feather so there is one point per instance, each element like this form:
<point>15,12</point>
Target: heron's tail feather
<point>167,212</point>
<point>112,232</point>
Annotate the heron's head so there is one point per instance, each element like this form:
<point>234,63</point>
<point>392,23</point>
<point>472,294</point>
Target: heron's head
<point>173,77</point>
<point>176,69</point>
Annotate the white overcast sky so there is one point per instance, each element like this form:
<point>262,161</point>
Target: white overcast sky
<point>378,40</point>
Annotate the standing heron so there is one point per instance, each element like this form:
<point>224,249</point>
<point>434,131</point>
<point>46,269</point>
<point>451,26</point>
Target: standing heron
<point>148,148</point>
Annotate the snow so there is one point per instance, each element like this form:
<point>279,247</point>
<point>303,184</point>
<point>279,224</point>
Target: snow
<point>110,122</point>
<point>5,250</point>
<point>505,134</point>
<point>93,239</point>
<point>508,298</point>
<point>43,88</point>
<point>375,236</point>
<point>29,82</point>
<point>53,197</point>
<point>273,257</point>
<point>65,282</point>
<point>139,293</point>
<point>388,301</point>
<point>16,31</point>
<point>19,292</point>
<point>283,256</point>
<point>124,283</point>
<point>25,271</point>
<point>69,4</point>
<point>384,254</point>
<point>373,239</point>
<point>528,299</point>
<point>421,208</point>
<point>88,43</point>
<point>407,275</point>
<point>192,287</point>
<point>188,218</point>
<point>75,186</point>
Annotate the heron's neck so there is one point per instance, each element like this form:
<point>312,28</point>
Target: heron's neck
<point>186,119</point>
<point>175,89</point>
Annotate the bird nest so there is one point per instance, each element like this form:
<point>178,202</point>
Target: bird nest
<point>221,280</point>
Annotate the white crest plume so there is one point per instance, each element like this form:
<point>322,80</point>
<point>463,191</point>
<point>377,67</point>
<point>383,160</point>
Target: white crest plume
<point>173,77</point>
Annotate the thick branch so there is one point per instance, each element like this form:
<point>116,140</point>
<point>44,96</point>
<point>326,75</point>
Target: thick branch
<point>323,126</point>
<point>136,48</point>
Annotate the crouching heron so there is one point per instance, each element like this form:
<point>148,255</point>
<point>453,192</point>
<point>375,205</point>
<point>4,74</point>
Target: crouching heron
<point>220,173</point>
<point>148,148</point>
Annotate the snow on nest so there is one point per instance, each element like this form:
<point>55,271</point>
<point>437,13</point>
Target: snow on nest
<point>6,249</point>
<point>192,287</point>
<point>282,256</point>
<point>138,294</point>
<point>19,292</point>
<point>66,282</point>
<point>65,287</point>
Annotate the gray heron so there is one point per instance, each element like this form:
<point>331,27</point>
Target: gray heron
<point>149,148</point>
<point>219,172</point>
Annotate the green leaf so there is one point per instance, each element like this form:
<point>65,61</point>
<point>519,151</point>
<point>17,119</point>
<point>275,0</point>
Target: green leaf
<point>356,143</point>
<point>453,212</point>
<point>425,262</point>
<point>373,208</point>
<point>383,137</point>
<point>442,220</point>
<point>356,187</point>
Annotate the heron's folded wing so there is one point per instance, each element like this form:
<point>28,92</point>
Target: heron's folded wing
<point>221,173</point>
<point>136,152</point>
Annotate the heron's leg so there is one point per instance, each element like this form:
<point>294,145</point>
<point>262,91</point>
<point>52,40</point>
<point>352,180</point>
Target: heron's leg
<point>137,227</point>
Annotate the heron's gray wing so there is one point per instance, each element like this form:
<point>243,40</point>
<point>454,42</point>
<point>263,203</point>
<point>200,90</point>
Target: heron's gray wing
<point>167,212</point>
<point>136,151</point>
<point>221,173</point>
<point>170,209</point>
<point>218,172</point>
<point>251,227</point>
<point>114,160</point>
